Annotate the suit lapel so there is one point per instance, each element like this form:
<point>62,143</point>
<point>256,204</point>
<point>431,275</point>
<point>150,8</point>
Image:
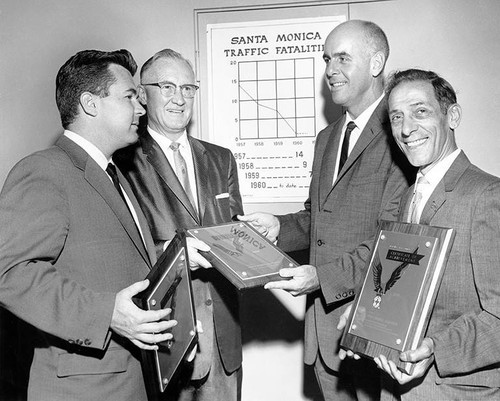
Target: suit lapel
<point>201,171</point>
<point>146,233</point>
<point>328,161</point>
<point>373,128</point>
<point>447,184</point>
<point>99,180</point>
<point>158,160</point>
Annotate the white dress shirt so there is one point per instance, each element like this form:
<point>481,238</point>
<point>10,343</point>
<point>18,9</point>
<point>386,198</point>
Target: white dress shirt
<point>187,154</point>
<point>360,122</point>
<point>432,178</point>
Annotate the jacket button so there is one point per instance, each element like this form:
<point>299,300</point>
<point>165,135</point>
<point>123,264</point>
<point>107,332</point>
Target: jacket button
<point>79,341</point>
<point>208,302</point>
<point>320,242</point>
<point>87,341</point>
<point>71,341</point>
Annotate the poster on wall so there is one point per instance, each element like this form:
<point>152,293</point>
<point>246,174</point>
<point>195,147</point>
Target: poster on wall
<point>265,83</point>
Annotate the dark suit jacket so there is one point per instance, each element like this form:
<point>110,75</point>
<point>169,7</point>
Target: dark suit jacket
<point>465,321</point>
<point>339,219</point>
<point>167,208</point>
<point>67,245</point>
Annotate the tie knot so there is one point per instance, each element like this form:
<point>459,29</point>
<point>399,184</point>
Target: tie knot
<point>350,126</point>
<point>175,146</point>
<point>111,170</point>
<point>422,180</point>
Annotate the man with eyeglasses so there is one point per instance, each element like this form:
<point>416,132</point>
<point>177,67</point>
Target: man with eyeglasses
<point>183,182</point>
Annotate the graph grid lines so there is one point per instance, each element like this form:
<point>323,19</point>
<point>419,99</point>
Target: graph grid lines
<point>276,99</point>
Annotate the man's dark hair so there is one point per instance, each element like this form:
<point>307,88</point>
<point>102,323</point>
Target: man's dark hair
<point>444,92</point>
<point>87,71</point>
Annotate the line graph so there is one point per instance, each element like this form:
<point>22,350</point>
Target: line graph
<point>276,99</point>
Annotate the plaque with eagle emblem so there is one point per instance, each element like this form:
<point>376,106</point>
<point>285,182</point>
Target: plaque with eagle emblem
<point>392,309</point>
<point>243,255</point>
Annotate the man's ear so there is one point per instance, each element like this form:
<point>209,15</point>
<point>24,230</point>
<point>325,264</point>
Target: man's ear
<point>454,115</point>
<point>377,63</point>
<point>142,94</point>
<point>88,103</point>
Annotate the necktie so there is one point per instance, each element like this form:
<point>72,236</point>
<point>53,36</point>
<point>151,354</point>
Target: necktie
<point>111,170</point>
<point>413,213</point>
<point>182,173</point>
<point>344,152</point>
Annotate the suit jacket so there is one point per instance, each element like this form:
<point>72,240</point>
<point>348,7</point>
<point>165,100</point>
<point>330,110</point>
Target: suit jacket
<point>465,321</point>
<point>339,219</point>
<point>167,208</point>
<point>68,244</point>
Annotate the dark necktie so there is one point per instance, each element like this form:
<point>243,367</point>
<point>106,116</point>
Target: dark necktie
<point>182,173</point>
<point>111,170</point>
<point>344,152</point>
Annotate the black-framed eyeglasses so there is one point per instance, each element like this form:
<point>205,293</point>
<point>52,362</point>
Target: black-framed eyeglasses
<point>168,89</point>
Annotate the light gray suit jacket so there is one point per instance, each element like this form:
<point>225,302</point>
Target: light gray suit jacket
<point>340,219</point>
<point>465,321</point>
<point>68,244</point>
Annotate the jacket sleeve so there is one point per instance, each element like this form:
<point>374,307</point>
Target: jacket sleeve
<point>472,341</point>
<point>34,217</point>
<point>340,278</point>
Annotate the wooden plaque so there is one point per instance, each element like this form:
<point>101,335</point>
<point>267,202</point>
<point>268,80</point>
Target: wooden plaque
<point>170,287</point>
<point>242,254</point>
<point>391,312</point>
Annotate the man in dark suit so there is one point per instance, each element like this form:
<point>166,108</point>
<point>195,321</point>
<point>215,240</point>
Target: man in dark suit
<point>459,357</point>
<point>73,251</point>
<point>183,182</point>
<point>358,176</point>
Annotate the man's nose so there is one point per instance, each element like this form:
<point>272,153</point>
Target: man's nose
<point>331,68</point>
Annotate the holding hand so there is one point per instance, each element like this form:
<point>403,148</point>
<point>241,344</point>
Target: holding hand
<point>422,357</point>
<point>341,326</point>
<point>265,223</point>
<point>196,260</point>
<point>194,245</point>
<point>143,328</point>
<point>304,280</point>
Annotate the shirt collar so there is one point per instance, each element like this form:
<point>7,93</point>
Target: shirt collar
<point>363,118</point>
<point>437,172</point>
<point>182,140</point>
<point>92,150</point>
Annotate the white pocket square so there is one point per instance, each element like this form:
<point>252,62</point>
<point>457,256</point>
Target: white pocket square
<point>222,196</point>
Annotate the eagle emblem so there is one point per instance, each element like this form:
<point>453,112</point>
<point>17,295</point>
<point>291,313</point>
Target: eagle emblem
<point>380,288</point>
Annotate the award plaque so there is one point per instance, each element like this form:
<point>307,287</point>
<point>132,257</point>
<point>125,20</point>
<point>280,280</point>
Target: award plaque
<point>391,311</point>
<point>170,287</point>
<point>241,254</point>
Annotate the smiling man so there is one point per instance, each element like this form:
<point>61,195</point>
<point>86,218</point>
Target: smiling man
<point>459,357</point>
<point>357,178</point>
<point>183,182</point>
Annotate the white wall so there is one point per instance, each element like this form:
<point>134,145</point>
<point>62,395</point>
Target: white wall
<point>456,38</point>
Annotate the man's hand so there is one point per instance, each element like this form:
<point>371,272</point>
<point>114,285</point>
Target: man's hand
<point>341,326</point>
<point>304,280</point>
<point>143,328</point>
<point>196,260</point>
<point>265,223</point>
<point>422,357</point>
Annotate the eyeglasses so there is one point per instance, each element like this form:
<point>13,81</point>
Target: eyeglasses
<point>168,89</point>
